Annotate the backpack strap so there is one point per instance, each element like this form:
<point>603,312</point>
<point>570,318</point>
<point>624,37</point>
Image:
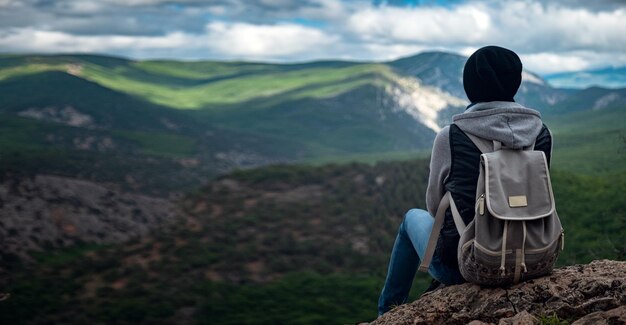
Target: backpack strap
<point>445,202</point>
<point>497,145</point>
<point>482,144</point>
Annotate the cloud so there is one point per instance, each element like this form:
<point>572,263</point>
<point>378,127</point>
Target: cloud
<point>550,62</point>
<point>389,52</point>
<point>266,41</point>
<point>460,25</point>
<point>526,26</point>
<point>31,40</point>
<point>532,27</point>
<point>236,40</point>
<point>548,35</point>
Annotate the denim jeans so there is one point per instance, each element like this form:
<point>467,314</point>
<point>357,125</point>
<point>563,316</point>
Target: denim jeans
<point>409,247</point>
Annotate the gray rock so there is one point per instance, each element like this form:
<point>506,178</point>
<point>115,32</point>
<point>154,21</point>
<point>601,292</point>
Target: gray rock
<point>613,316</point>
<point>596,290</point>
<point>523,318</point>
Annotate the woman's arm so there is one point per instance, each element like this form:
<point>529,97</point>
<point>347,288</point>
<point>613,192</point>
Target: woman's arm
<point>440,162</point>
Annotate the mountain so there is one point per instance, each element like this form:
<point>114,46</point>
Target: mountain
<point>445,71</point>
<point>593,98</point>
<point>214,115</point>
<point>103,118</point>
<point>437,69</point>
<point>589,131</point>
<point>175,125</point>
<point>614,77</point>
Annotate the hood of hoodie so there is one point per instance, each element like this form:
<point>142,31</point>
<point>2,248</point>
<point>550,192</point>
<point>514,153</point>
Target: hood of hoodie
<point>508,122</point>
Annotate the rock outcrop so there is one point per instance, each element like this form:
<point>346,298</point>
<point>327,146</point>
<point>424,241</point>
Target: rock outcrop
<point>594,293</point>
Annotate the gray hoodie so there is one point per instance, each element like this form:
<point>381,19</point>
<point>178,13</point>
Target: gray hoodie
<point>508,122</point>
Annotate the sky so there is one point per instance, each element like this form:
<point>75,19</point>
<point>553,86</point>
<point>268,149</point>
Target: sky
<point>549,36</point>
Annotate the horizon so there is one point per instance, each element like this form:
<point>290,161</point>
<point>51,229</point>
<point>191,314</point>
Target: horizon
<point>548,36</point>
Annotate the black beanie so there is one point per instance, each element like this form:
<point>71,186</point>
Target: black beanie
<point>492,73</point>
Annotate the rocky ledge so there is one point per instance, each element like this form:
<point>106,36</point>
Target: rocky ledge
<point>594,293</point>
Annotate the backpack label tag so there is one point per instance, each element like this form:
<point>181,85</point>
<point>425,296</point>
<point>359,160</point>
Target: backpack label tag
<point>518,201</point>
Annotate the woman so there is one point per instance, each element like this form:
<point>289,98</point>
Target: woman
<point>491,78</point>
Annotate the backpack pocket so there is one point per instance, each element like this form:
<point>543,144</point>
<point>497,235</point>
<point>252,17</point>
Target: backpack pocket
<point>519,260</point>
<point>517,185</point>
<point>540,261</point>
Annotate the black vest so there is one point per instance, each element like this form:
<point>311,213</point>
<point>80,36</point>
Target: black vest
<point>461,183</point>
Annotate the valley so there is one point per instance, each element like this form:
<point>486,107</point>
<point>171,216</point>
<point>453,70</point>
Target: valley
<point>238,192</point>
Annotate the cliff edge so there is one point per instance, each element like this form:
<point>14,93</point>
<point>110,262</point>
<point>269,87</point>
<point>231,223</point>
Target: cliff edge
<point>593,293</point>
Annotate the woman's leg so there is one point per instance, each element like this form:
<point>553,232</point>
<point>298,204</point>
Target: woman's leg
<point>410,245</point>
<point>402,267</point>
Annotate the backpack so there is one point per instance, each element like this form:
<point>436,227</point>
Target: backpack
<point>516,233</point>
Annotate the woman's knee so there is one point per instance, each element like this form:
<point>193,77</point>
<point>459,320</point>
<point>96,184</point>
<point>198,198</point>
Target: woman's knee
<point>415,214</point>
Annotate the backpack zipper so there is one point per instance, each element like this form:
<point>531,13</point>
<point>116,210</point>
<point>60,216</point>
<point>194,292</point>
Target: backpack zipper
<point>481,204</point>
<point>488,251</point>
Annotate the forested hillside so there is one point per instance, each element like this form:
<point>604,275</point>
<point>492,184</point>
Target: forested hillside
<point>282,244</point>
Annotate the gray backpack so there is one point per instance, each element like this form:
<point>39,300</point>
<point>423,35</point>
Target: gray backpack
<point>516,233</point>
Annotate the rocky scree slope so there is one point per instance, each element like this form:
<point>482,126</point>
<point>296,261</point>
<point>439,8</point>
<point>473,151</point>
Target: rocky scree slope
<point>45,211</point>
<point>594,293</point>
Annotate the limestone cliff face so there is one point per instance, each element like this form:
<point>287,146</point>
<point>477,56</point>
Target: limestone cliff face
<point>581,294</point>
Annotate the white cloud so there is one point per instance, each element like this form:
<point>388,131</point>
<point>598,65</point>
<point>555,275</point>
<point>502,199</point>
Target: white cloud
<point>393,51</point>
<point>546,63</point>
<point>31,40</point>
<point>534,27</point>
<point>460,25</point>
<point>238,40</point>
<point>550,62</point>
<point>520,24</point>
<point>549,37</point>
<point>266,41</point>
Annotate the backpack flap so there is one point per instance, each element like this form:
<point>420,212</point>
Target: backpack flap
<point>517,184</point>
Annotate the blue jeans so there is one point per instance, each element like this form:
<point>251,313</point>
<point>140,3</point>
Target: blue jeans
<point>409,247</point>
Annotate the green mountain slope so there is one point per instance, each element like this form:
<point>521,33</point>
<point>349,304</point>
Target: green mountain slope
<point>46,95</point>
<point>54,122</point>
<point>351,122</point>
<point>221,114</point>
<point>192,85</point>
<point>590,142</point>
